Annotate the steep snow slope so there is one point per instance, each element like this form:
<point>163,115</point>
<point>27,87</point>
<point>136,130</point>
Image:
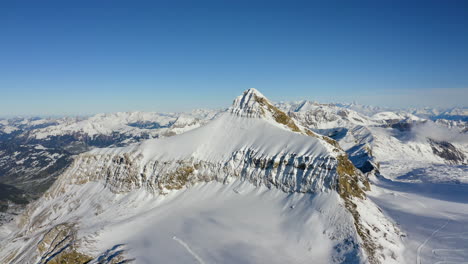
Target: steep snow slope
<point>235,222</point>
<point>244,178</point>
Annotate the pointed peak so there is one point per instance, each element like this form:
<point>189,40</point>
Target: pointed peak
<point>249,104</point>
<point>254,91</point>
<point>306,105</point>
<point>255,105</point>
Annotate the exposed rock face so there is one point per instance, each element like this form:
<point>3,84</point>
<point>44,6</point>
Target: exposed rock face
<point>59,245</point>
<point>314,118</point>
<point>121,173</point>
<point>448,152</point>
<point>56,246</point>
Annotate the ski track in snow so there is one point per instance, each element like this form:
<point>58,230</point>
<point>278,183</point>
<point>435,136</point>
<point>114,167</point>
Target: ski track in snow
<point>452,252</point>
<point>418,256</point>
<point>189,250</point>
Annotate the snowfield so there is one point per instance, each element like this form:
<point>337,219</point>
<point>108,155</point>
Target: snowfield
<point>414,171</point>
<point>226,223</point>
<point>434,217</point>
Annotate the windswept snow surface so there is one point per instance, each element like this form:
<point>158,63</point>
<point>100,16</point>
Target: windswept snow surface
<point>212,223</point>
<point>234,222</point>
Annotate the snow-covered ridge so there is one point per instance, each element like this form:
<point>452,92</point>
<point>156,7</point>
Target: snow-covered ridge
<point>132,123</point>
<point>421,112</point>
<point>432,113</point>
<point>323,116</point>
<point>229,146</point>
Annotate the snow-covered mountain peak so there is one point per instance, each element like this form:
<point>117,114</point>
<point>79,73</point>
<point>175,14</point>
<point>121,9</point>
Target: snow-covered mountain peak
<point>250,104</point>
<point>306,106</point>
<point>253,104</point>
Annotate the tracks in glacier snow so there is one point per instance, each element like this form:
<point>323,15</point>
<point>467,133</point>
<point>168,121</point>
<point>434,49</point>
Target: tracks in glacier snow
<point>418,256</point>
<point>189,250</point>
<point>457,255</point>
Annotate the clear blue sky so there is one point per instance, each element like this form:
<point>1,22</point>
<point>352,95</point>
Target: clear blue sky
<point>81,57</point>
